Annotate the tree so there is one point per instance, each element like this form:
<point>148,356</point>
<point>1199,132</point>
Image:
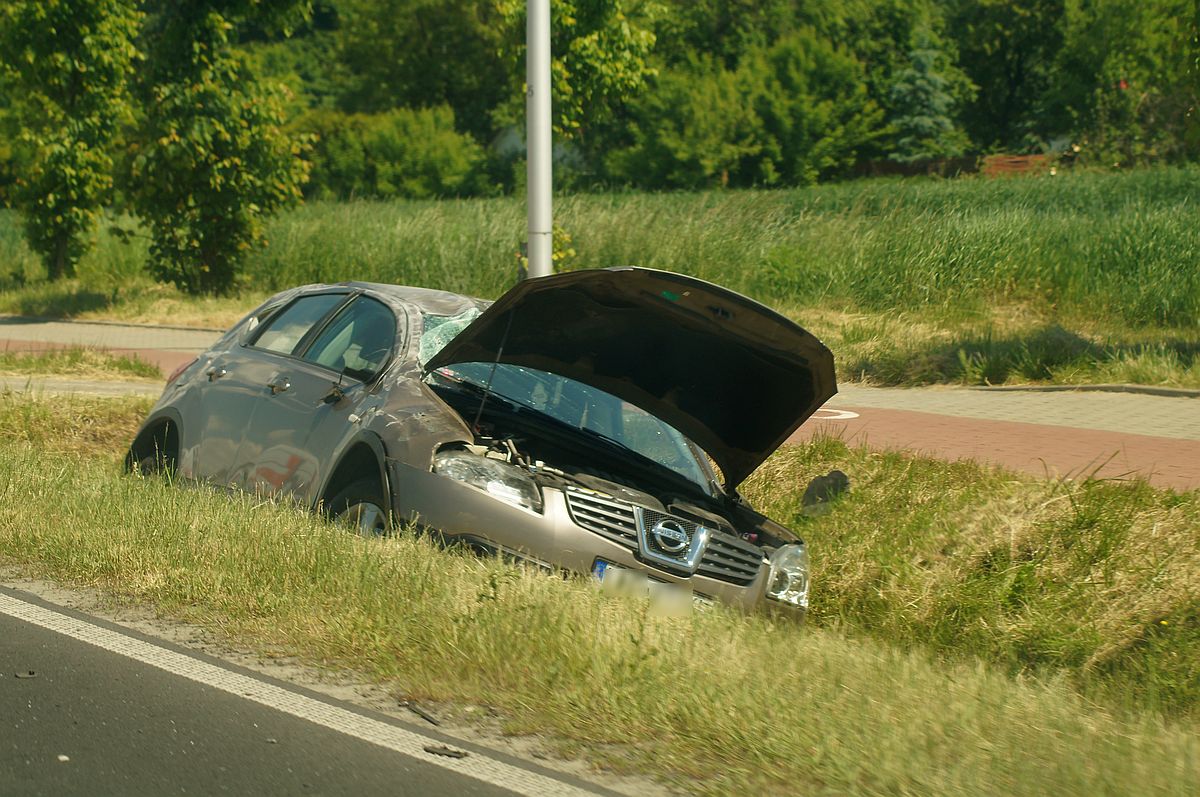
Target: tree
<point>69,61</point>
<point>693,129</point>
<point>924,122</point>
<point>817,114</point>
<point>424,54</point>
<point>1007,48</point>
<point>211,160</point>
<point>1125,83</point>
<point>791,113</point>
<point>599,60</point>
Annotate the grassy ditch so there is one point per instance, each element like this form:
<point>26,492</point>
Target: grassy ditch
<point>769,708</point>
<point>1077,278</point>
<point>1098,581</point>
<point>78,363</point>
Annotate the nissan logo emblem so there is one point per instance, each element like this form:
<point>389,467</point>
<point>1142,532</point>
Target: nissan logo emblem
<point>670,536</point>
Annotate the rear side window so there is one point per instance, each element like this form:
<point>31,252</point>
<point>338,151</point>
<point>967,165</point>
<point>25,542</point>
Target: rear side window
<point>287,329</point>
<point>357,342</point>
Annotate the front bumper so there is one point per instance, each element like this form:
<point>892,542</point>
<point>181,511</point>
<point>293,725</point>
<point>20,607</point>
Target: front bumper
<point>551,538</point>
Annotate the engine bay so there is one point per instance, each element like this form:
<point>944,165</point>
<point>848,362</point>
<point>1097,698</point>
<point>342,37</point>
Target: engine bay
<point>559,456</point>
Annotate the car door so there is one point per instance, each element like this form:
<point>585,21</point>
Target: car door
<point>241,377</point>
<point>315,399</point>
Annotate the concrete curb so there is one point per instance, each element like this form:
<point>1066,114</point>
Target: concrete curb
<point>1142,390</point>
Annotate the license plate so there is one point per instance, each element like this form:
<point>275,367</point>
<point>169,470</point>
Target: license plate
<point>665,599</point>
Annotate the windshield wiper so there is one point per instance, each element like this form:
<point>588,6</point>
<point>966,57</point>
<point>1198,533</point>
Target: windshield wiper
<point>614,442</point>
<point>472,389</point>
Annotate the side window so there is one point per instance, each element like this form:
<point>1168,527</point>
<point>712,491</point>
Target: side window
<point>287,329</point>
<point>359,341</point>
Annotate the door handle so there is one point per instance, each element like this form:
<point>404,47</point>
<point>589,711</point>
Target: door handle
<point>214,374</point>
<point>279,385</point>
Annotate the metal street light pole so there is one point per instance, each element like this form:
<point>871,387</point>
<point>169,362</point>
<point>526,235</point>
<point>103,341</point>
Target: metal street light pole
<point>537,127</point>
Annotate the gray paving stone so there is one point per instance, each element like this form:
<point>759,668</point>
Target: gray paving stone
<point>106,336</point>
<point>1159,416</point>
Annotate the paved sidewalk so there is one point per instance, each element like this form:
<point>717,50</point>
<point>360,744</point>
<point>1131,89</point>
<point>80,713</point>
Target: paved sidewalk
<point>166,347</point>
<point>104,335</point>
<point>1063,433</point>
<point>1128,413</point>
<point>53,385</point>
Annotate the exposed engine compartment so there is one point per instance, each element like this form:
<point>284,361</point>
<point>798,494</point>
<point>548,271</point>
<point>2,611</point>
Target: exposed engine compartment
<point>556,455</point>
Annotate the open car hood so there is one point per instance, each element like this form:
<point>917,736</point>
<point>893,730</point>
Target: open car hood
<point>733,375</point>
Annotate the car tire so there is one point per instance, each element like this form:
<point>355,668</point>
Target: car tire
<point>156,464</point>
<point>361,506</point>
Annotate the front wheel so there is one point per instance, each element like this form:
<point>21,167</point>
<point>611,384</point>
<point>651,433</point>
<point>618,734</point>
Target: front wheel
<point>361,507</point>
<point>154,464</point>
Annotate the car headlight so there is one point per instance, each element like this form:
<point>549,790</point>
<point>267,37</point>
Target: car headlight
<point>789,575</point>
<point>495,477</point>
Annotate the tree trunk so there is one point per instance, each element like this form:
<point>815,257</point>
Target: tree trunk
<point>59,265</point>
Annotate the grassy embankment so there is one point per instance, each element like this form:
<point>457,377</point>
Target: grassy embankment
<point>927,603</point>
<point>78,363</point>
<point>1073,279</point>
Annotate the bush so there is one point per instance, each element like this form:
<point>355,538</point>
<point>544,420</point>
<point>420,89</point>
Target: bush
<point>409,153</point>
<point>791,113</point>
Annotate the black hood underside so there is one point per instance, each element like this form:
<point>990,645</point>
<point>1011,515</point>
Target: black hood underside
<point>731,374</point>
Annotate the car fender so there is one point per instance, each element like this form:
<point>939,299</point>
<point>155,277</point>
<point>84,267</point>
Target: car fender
<point>153,421</point>
<point>373,442</point>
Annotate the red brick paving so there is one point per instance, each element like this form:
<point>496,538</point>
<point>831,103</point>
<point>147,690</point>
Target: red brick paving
<point>1033,448</point>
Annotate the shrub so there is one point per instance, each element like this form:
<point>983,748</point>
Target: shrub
<point>409,153</point>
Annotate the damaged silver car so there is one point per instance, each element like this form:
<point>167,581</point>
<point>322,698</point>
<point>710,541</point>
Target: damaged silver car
<point>593,421</point>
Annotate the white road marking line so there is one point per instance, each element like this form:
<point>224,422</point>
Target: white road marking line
<point>830,414</point>
<point>339,719</point>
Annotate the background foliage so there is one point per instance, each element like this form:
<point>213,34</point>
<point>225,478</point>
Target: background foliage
<point>68,62</point>
<point>664,94</point>
<point>237,102</point>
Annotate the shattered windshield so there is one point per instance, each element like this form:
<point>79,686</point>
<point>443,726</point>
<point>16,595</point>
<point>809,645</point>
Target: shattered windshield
<point>440,330</point>
<point>573,403</point>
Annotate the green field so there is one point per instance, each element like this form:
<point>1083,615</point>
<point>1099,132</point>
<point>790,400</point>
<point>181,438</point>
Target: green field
<point>1078,278</point>
<point>993,635</point>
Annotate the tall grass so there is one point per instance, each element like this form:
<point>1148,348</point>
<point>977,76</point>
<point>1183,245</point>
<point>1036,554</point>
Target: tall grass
<point>1111,260</point>
<point>1120,246</point>
<point>714,703</point>
<point>1115,246</point>
<point>1095,580</point>
<point>1092,581</point>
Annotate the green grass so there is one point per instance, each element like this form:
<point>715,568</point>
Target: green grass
<point>78,362</point>
<point>71,424</point>
<point>875,696</point>
<point>969,280</point>
<point>1097,581</point>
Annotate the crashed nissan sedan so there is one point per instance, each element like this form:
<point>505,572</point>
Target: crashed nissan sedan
<point>594,421</point>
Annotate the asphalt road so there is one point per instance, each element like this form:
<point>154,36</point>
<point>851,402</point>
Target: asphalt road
<point>87,707</point>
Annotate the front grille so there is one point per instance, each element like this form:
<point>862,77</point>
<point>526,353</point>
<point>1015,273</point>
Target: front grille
<point>650,519</point>
<point>611,519</point>
<point>729,559</point>
<point>726,558</point>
